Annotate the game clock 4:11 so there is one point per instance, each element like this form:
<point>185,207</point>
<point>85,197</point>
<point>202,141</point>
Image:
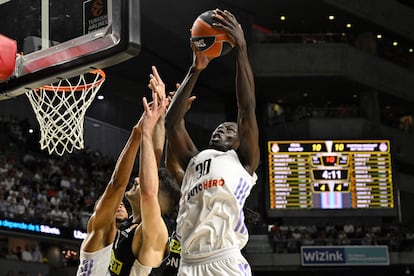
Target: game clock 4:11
<point>330,174</point>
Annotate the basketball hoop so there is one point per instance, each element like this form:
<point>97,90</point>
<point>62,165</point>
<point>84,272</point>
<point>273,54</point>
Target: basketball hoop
<point>60,110</point>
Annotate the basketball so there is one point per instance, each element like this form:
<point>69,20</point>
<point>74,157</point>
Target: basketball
<point>211,42</point>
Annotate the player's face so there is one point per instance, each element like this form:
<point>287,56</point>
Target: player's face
<point>121,212</point>
<point>225,137</point>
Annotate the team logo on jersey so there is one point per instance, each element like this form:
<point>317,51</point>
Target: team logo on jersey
<point>175,246</point>
<point>86,267</point>
<point>115,266</point>
<point>204,186</point>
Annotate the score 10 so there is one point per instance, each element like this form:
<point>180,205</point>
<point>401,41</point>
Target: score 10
<point>337,147</point>
<point>331,160</point>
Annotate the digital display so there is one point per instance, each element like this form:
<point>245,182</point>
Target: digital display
<point>331,174</point>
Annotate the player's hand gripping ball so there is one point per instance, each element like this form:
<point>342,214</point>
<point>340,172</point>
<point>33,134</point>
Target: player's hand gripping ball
<point>211,42</point>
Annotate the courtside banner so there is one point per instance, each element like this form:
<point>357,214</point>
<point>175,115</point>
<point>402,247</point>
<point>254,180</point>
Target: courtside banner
<point>344,255</point>
<point>11,226</point>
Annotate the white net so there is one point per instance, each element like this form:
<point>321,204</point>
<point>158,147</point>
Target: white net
<point>60,110</point>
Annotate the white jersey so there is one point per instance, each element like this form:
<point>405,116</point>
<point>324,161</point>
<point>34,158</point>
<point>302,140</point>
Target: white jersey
<point>95,263</point>
<point>214,189</point>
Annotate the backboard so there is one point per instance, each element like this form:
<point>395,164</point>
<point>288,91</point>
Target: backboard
<point>60,39</point>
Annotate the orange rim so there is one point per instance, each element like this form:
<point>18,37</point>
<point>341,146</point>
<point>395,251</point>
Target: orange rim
<point>66,88</point>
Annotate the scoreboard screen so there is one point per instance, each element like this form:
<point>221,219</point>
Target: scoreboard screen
<point>354,177</point>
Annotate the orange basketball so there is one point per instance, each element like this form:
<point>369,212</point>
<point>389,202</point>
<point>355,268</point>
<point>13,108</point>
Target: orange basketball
<point>212,42</point>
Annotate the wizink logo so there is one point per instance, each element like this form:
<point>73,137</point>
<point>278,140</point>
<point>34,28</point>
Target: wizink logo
<point>320,255</point>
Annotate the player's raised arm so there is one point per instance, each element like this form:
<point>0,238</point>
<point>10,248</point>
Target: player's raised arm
<point>178,138</point>
<point>154,231</point>
<point>172,157</point>
<point>102,225</point>
<point>245,91</point>
<point>157,85</point>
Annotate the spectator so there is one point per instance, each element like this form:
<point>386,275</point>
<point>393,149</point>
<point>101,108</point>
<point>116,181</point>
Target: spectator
<point>36,254</point>
<point>349,229</point>
<point>26,253</point>
<point>308,240</point>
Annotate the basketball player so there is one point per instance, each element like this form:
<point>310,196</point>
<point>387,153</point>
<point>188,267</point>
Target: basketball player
<point>111,214</point>
<point>95,251</point>
<point>141,243</point>
<point>217,181</point>
<point>169,266</point>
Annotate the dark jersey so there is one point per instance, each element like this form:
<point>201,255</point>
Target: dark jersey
<point>169,266</point>
<point>122,257</point>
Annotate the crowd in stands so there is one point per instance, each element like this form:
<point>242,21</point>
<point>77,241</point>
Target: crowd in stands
<point>28,253</point>
<point>39,188</point>
<point>289,239</point>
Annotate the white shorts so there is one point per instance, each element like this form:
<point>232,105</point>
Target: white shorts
<point>95,263</point>
<point>229,262</point>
